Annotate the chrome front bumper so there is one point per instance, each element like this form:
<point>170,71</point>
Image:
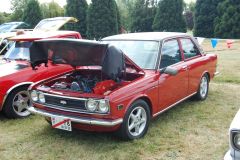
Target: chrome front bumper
<point>97,122</point>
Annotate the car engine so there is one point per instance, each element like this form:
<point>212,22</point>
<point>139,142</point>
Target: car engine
<point>77,83</point>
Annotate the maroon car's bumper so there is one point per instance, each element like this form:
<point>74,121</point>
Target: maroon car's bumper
<point>83,123</point>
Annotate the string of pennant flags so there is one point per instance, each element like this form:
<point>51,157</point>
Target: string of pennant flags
<point>215,41</point>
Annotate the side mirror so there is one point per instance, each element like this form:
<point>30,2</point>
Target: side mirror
<point>169,70</point>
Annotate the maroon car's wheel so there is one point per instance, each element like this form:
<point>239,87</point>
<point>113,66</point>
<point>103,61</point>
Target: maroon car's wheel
<point>17,103</point>
<point>203,88</point>
<point>136,121</point>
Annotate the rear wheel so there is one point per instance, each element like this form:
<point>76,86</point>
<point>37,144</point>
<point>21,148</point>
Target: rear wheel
<point>17,103</point>
<point>136,121</point>
<point>203,88</point>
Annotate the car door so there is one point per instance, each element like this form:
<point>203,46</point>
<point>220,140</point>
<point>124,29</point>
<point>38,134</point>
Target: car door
<point>172,88</point>
<point>194,61</point>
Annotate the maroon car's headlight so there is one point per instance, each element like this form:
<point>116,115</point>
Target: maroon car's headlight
<point>41,97</point>
<point>37,96</point>
<point>34,95</point>
<point>98,106</point>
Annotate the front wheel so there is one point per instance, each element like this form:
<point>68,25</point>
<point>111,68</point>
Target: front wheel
<point>203,88</point>
<point>17,103</point>
<point>136,121</point>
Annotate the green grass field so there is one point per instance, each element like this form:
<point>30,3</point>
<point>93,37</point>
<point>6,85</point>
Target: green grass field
<point>191,130</point>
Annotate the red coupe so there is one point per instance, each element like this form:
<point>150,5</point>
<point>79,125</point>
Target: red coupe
<point>16,74</point>
<point>119,84</point>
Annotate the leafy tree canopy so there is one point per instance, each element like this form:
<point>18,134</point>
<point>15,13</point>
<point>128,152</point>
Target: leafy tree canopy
<point>102,19</point>
<point>143,14</point>
<point>169,16</point>
<point>227,23</point>
<point>77,9</point>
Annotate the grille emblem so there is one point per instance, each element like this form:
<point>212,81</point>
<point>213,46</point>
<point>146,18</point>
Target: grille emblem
<point>63,102</point>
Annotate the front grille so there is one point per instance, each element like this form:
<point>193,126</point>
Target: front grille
<point>65,103</point>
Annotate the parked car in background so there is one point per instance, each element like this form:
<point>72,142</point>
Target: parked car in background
<point>8,30</point>
<point>16,73</point>
<point>234,139</point>
<point>50,24</point>
<point>11,26</point>
<point>119,84</point>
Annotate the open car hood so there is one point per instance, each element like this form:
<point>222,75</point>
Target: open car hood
<point>81,53</point>
<point>53,24</point>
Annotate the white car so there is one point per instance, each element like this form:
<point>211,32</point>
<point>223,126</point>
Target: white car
<point>234,139</point>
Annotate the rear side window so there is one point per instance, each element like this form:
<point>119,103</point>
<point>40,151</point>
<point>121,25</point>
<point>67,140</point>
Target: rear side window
<point>189,48</point>
<point>170,53</point>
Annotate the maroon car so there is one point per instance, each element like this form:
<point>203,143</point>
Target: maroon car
<point>16,73</point>
<point>121,83</point>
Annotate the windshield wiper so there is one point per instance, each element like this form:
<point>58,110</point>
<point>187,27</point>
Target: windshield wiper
<point>21,59</point>
<point>6,59</point>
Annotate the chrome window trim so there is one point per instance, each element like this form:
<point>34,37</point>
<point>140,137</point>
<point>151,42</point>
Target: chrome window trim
<point>176,37</point>
<point>168,39</point>
<point>194,43</point>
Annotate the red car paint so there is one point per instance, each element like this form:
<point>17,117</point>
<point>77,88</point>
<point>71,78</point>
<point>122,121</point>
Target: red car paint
<point>13,78</point>
<point>161,91</point>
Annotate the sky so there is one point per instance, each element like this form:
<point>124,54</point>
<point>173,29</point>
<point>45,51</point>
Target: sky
<point>6,5</point>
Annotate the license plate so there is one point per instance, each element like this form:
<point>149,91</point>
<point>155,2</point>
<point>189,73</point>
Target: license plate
<point>61,123</point>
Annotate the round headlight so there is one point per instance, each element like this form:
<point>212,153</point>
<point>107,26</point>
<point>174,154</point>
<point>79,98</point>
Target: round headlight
<point>41,98</point>
<point>236,140</point>
<point>103,106</point>
<point>34,95</point>
<point>92,105</point>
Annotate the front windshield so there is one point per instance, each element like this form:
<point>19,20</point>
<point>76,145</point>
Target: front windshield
<point>18,51</point>
<point>143,53</point>
<point>7,28</point>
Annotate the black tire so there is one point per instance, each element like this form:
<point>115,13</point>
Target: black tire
<point>123,131</point>
<point>200,96</point>
<point>10,110</point>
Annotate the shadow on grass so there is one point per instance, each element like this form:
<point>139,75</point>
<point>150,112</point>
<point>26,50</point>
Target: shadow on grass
<point>2,117</point>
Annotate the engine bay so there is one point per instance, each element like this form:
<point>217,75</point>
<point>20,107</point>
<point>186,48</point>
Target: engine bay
<point>87,81</point>
<point>77,83</point>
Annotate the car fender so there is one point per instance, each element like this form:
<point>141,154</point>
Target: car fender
<point>12,88</point>
<point>139,96</point>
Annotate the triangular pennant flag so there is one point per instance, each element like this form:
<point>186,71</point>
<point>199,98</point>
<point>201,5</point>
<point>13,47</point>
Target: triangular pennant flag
<point>214,42</point>
<point>200,40</point>
<point>229,43</point>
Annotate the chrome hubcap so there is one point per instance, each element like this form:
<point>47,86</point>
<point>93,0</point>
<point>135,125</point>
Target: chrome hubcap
<point>137,121</point>
<point>203,86</point>
<point>21,102</point>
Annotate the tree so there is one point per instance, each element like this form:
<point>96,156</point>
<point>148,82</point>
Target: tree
<point>205,13</point>
<point>169,16</point>
<point>2,18</point>
<point>189,15</point>
<point>125,9</point>
<point>17,8</point>
<point>51,9</point>
<point>227,23</point>
<point>102,19</point>
<point>32,13</point>
<point>143,13</point>
<point>77,9</point>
